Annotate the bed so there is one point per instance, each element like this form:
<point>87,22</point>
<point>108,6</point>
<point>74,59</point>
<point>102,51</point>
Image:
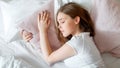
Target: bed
<point>16,53</point>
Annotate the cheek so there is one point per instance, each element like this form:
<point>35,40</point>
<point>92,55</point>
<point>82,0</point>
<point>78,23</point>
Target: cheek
<point>71,26</point>
<point>68,29</point>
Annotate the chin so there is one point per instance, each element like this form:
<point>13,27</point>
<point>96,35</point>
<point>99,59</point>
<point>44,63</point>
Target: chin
<point>65,35</point>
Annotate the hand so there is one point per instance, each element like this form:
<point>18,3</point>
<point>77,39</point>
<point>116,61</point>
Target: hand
<point>27,36</point>
<point>43,21</point>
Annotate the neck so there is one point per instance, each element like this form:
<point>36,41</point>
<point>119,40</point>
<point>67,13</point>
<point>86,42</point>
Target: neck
<point>77,31</point>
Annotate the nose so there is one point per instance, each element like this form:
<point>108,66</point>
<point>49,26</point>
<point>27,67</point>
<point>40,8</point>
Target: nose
<point>60,27</point>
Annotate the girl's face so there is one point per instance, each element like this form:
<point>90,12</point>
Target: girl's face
<point>66,24</point>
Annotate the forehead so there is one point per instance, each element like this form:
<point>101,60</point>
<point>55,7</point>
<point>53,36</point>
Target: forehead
<point>61,16</point>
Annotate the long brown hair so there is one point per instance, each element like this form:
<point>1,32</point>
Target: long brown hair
<point>73,9</point>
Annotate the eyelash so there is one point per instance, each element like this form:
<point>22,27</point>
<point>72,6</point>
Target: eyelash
<point>62,22</point>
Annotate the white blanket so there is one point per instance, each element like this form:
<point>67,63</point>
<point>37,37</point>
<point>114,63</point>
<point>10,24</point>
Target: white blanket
<point>20,54</point>
<point>12,62</point>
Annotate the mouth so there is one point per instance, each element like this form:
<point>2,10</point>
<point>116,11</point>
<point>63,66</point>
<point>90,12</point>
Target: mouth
<point>61,31</point>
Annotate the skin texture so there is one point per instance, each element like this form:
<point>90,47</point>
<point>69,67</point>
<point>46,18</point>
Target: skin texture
<point>67,26</point>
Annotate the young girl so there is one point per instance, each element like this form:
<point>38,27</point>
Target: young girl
<point>75,24</point>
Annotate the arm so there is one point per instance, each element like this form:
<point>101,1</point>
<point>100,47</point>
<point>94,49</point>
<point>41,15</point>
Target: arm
<point>51,56</point>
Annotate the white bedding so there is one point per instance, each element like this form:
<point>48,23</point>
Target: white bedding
<point>20,54</point>
<point>13,62</point>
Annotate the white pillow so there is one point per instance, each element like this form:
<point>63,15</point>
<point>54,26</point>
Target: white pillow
<point>1,23</point>
<point>106,17</point>
<point>30,24</point>
<point>15,11</point>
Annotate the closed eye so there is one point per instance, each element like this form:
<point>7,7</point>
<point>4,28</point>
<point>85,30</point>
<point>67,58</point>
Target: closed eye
<point>62,22</point>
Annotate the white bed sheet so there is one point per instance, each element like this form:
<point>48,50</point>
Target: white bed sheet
<point>110,61</point>
<point>23,55</point>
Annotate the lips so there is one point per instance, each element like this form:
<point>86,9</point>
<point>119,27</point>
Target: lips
<point>61,31</point>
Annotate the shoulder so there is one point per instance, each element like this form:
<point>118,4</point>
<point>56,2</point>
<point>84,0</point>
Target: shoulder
<point>75,40</point>
<point>80,41</point>
<point>84,36</point>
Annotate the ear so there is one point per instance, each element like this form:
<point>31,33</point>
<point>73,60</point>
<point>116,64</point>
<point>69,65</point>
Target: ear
<point>77,19</point>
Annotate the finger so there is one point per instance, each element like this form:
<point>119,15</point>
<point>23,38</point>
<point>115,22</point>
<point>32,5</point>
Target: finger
<point>38,17</point>
<point>26,32</point>
<point>28,36</point>
<point>41,15</point>
<point>49,21</point>
<point>28,39</point>
<point>47,16</point>
<point>25,39</point>
<point>44,15</point>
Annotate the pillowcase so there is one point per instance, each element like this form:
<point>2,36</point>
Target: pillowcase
<point>1,23</point>
<point>30,24</point>
<point>106,16</point>
<point>15,11</point>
